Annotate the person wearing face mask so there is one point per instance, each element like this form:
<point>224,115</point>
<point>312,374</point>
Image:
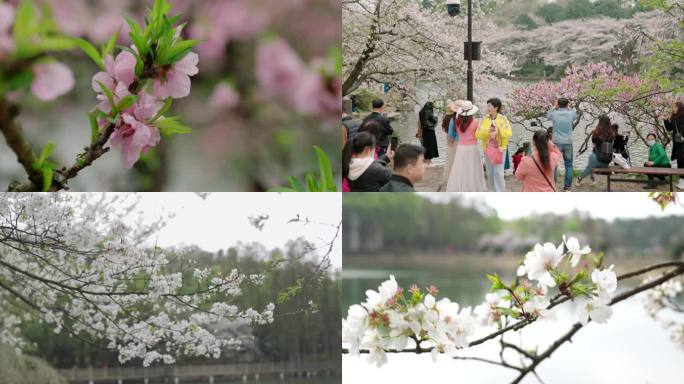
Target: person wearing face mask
<point>657,157</point>
<point>409,169</point>
<point>365,174</point>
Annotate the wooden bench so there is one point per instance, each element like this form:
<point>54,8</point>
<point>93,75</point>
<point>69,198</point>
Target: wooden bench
<point>667,172</point>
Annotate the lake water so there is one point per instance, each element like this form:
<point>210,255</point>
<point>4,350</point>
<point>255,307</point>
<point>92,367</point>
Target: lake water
<point>630,348</point>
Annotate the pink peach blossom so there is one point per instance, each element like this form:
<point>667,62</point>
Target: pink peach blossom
<point>6,21</point>
<point>51,80</point>
<point>279,69</point>
<point>175,81</point>
<point>135,135</point>
<point>224,97</point>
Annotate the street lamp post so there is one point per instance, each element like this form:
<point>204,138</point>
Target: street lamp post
<point>454,9</point>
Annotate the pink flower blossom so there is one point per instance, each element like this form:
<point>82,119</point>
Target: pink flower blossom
<point>6,21</point>
<point>119,70</point>
<point>279,70</point>
<point>135,135</point>
<point>51,80</point>
<point>174,82</point>
<point>224,97</point>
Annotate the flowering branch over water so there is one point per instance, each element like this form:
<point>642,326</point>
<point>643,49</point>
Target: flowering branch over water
<point>549,276</point>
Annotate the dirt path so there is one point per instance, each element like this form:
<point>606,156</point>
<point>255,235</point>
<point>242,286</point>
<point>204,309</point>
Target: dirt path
<point>434,182</point>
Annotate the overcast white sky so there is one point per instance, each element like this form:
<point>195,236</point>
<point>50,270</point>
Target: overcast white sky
<point>599,205</point>
<point>221,220</point>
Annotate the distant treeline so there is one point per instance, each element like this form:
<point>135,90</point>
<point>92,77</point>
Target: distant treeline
<point>404,223</point>
<point>295,336</point>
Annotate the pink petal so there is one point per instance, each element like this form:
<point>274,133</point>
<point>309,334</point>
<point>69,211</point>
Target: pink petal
<point>188,65</point>
<point>51,80</point>
<point>104,78</point>
<point>124,68</point>
<point>224,97</point>
<point>177,84</point>
<point>6,17</point>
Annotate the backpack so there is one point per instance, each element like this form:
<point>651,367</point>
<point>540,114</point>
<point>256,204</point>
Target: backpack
<point>604,151</point>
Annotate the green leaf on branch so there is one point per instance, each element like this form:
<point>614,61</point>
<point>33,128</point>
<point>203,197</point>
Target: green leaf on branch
<point>296,185</point>
<point>109,47</point>
<point>110,96</point>
<point>126,102</point>
<point>56,44</point>
<point>48,173</point>
<point>169,126</point>
<point>94,127</point>
<point>44,155</point>
<point>496,282</point>
<point>598,260</point>
<point>91,51</point>
<point>165,108</point>
<point>44,166</point>
<point>25,28</point>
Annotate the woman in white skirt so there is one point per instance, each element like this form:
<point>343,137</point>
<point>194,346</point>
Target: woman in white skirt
<point>449,125</point>
<point>467,174</point>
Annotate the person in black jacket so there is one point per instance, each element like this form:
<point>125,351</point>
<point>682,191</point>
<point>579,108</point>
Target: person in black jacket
<point>428,121</point>
<point>409,168</point>
<point>675,124</point>
<point>365,174</point>
<point>383,135</point>
<point>603,138</point>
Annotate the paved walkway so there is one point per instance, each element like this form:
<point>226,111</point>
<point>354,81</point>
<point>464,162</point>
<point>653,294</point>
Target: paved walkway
<point>434,182</point>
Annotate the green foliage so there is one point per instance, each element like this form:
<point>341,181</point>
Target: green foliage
<point>159,41</point>
<point>405,223</point>
<point>408,222</point>
<point>585,9</point>
<point>524,21</point>
<point>324,183</point>
<point>170,126</point>
<point>551,13</point>
<point>364,99</point>
<point>46,167</point>
<point>496,282</point>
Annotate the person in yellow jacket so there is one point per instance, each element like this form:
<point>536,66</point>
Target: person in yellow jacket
<point>494,134</point>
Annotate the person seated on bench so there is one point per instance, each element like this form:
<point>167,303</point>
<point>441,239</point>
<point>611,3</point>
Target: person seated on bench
<point>621,141</point>
<point>603,138</point>
<point>657,157</point>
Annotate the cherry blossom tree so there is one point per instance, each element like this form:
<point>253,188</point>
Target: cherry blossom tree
<point>402,42</point>
<point>595,89</point>
<point>87,265</point>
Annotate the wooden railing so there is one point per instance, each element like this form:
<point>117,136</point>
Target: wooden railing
<point>200,371</point>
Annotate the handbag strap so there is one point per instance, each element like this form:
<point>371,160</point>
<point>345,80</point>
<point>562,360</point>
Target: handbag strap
<point>543,174</point>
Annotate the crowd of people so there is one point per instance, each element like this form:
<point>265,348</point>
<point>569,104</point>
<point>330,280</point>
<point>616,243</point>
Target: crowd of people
<point>477,150</point>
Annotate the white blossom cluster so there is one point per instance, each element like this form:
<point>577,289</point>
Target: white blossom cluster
<point>75,262</point>
<point>379,324</point>
<point>391,320</point>
<point>660,298</point>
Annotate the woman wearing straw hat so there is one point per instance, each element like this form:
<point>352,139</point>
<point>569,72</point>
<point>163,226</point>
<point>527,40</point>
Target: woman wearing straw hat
<point>449,126</point>
<point>466,173</point>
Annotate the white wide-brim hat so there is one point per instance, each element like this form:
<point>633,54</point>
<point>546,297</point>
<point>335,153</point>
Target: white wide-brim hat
<point>468,109</point>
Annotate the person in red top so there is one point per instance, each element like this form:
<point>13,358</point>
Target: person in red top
<point>536,171</point>
<point>517,158</point>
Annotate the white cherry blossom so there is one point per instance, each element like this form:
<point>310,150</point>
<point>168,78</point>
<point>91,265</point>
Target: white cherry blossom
<point>573,246</point>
